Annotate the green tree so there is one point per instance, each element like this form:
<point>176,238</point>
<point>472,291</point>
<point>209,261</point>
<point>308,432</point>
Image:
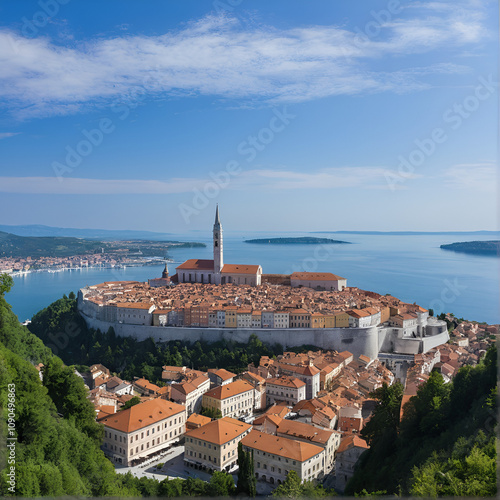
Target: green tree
<point>384,422</point>
<point>213,413</point>
<point>290,488</point>
<point>131,402</point>
<point>221,485</point>
<point>247,483</point>
<point>6,283</point>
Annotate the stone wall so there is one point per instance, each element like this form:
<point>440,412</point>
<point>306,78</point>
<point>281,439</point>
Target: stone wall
<point>356,340</point>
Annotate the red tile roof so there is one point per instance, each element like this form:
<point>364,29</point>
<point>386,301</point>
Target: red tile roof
<point>219,431</point>
<point>197,265</point>
<point>142,415</point>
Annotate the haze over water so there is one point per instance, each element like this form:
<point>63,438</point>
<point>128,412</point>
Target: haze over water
<point>410,267</point>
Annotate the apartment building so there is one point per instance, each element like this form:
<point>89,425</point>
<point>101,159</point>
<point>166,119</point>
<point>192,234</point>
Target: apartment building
<point>190,393</point>
<point>259,385</point>
<point>328,439</point>
<point>214,446</point>
<point>220,376</point>
<point>275,456</point>
<point>233,400</point>
<point>143,429</point>
<point>290,390</point>
<point>349,451</point>
<point>308,374</point>
<point>300,318</point>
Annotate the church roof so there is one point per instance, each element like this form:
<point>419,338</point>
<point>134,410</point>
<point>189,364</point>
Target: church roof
<point>240,269</point>
<point>198,265</point>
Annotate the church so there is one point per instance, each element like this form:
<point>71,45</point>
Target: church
<point>215,271</point>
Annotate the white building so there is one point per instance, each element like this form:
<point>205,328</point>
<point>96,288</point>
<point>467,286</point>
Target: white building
<point>215,271</point>
<point>233,400</point>
<point>214,446</point>
<point>190,393</point>
<point>135,313</point>
<point>290,390</point>
<point>281,319</point>
<point>143,429</point>
<point>308,374</point>
<point>328,439</point>
<point>274,457</point>
<point>267,320</point>
<point>318,281</point>
<point>349,451</point>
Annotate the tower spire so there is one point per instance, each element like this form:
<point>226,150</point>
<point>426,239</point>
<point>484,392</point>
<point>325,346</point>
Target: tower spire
<point>217,219</point>
<point>218,249</point>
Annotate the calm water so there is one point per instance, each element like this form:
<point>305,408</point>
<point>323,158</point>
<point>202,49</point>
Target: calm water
<point>412,268</point>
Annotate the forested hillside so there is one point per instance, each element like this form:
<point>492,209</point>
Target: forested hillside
<point>445,443</point>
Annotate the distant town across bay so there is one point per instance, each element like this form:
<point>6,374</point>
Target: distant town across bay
<point>305,240</point>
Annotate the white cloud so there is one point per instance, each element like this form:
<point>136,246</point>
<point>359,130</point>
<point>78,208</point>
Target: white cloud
<point>472,177</point>
<point>260,179</point>
<point>217,56</point>
<point>5,135</point>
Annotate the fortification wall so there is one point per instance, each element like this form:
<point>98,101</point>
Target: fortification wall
<point>356,340</point>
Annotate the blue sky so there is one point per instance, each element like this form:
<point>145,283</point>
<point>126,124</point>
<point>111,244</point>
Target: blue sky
<point>292,115</point>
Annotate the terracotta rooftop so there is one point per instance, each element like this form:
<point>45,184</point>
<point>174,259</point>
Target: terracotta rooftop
<point>197,265</point>
<point>351,442</point>
<point>286,382</point>
<point>302,430</point>
<point>229,390</point>
<point>219,431</point>
<point>198,420</point>
<point>222,373</point>
<point>283,447</point>
<point>240,269</point>
<point>142,415</point>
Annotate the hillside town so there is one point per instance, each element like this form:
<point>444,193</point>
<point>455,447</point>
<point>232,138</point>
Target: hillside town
<point>302,412</point>
<point>244,306</point>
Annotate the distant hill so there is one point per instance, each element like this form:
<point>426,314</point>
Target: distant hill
<point>305,240</point>
<point>475,247</point>
<point>12,245</point>
<point>103,234</point>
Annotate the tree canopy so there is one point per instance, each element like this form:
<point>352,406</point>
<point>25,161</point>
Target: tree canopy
<point>443,444</point>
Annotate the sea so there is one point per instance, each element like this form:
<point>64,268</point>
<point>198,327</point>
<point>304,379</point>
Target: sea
<point>410,267</point>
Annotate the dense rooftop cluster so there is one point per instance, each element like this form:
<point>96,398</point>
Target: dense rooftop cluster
<point>266,297</point>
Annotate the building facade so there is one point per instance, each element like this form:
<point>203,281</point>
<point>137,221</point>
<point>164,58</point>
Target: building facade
<point>142,430</point>
<point>233,400</point>
<point>289,390</point>
<point>214,446</point>
<point>274,457</point>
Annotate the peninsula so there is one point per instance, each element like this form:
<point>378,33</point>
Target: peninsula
<point>475,247</point>
<point>304,240</point>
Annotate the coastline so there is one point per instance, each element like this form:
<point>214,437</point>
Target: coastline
<point>15,274</point>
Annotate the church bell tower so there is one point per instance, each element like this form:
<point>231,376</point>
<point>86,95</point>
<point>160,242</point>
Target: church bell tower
<point>218,249</point>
